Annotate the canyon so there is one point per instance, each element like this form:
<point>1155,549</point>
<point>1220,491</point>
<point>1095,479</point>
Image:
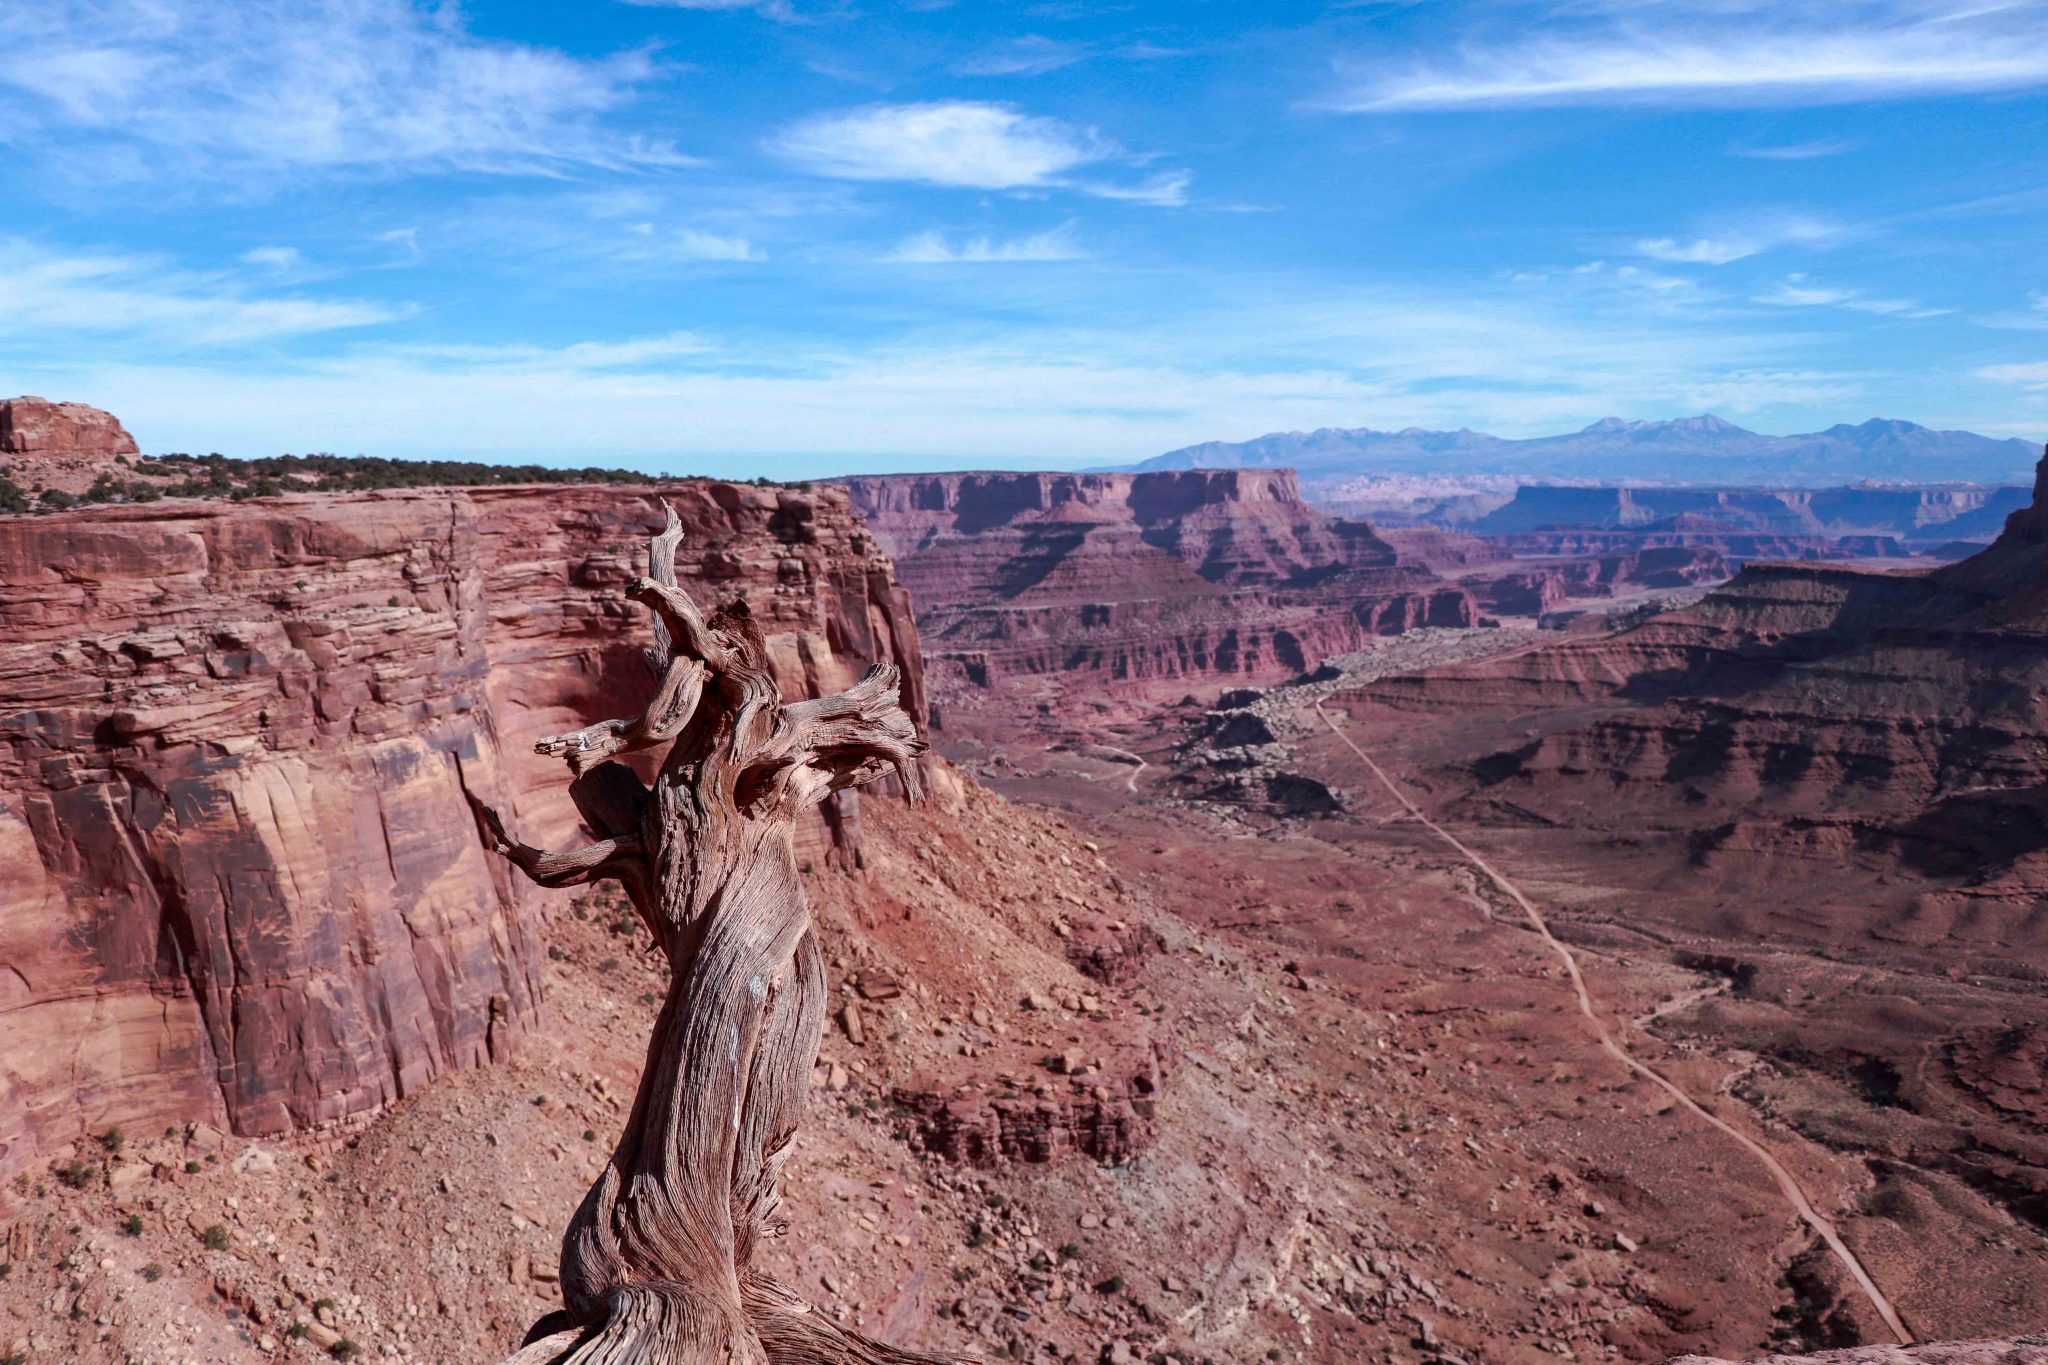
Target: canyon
<point>1143,579</point>
<point>1165,1025</point>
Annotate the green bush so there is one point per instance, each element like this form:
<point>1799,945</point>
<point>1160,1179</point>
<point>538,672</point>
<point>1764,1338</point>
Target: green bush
<point>215,1238</point>
<point>217,476</point>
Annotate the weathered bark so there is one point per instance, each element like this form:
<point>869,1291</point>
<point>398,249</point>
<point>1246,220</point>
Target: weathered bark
<point>656,1263</point>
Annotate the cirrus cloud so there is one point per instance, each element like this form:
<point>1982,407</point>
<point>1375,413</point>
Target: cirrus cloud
<point>1669,52</point>
<point>365,85</point>
<point>964,144</point>
<point>44,294</point>
<point>932,248</point>
<point>1741,243</point>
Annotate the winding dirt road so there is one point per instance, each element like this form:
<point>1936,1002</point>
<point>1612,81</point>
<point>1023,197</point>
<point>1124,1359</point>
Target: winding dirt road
<point>1131,782</point>
<point>1787,1185</point>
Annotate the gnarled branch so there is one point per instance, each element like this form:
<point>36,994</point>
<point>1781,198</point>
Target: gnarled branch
<point>689,633</point>
<point>831,743</point>
<point>661,567</point>
<point>571,867</point>
<point>666,716</point>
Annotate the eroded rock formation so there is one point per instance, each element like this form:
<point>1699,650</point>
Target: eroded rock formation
<point>239,881</point>
<point>1190,574</point>
<point>35,428</point>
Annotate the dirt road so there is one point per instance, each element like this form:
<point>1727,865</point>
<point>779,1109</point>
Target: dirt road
<point>1789,1187</point>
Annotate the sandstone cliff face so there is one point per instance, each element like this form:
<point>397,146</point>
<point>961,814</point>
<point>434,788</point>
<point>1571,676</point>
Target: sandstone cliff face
<point>1809,513</point>
<point>39,429</point>
<point>1180,574</point>
<point>1738,547</point>
<point>60,446</point>
<point>238,879</point>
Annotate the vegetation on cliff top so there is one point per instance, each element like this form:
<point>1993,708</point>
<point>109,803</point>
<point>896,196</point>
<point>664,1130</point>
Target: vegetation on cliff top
<point>219,476</point>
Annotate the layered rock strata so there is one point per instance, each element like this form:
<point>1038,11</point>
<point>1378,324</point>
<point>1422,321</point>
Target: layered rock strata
<point>37,429</point>
<point>1193,574</point>
<point>238,878</point>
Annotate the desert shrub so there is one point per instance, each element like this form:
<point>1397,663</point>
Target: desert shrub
<point>77,1174</point>
<point>152,1272</point>
<point>215,1238</point>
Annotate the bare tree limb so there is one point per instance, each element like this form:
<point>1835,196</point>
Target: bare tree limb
<point>573,867</point>
<point>675,701</point>
<point>688,631</point>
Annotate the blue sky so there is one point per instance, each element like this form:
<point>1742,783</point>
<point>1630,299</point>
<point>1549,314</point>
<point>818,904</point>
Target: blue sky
<point>797,237</point>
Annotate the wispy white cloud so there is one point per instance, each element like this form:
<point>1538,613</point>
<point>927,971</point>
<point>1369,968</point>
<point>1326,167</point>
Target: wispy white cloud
<point>1167,189</point>
<point>1759,235</point>
<point>2032,318</point>
<point>647,241</point>
<point>379,86</point>
<point>1699,251</point>
<point>690,244</point>
<point>407,243</point>
<point>932,248</point>
<point>1679,53</point>
<point>770,9</point>
<point>1798,291</point>
<point>1797,151</point>
<point>1668,292</point>
<point>951,142</point>
<point>272,257</point>
<point>581,357</point>
<point>2032,375</point>
<point>1031,55</point>
<point>966,144</point>
<point>44,295</point>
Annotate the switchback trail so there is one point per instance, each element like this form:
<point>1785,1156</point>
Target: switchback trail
<point>1131,782</point>
<point>1787,1186</point>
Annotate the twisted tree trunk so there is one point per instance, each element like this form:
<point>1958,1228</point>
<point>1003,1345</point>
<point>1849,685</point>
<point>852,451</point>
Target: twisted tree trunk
<point>656,1263</point>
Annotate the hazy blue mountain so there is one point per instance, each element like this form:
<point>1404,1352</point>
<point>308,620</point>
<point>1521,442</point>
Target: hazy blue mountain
<point>1704,449</point>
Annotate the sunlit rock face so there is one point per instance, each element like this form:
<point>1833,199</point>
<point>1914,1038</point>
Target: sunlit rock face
<point>36,428</point>
<point>1135,578</point>
<point>238,877</point>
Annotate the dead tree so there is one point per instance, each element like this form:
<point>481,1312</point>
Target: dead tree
<point>656,1264</point>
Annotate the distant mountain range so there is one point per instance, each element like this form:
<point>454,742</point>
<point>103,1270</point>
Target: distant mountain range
<point>1690,450</point>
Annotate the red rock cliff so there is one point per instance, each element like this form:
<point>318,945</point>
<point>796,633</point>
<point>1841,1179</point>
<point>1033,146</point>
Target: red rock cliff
<point>1175,574</point>
<point>238,880</point>
<point>39,429</point>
